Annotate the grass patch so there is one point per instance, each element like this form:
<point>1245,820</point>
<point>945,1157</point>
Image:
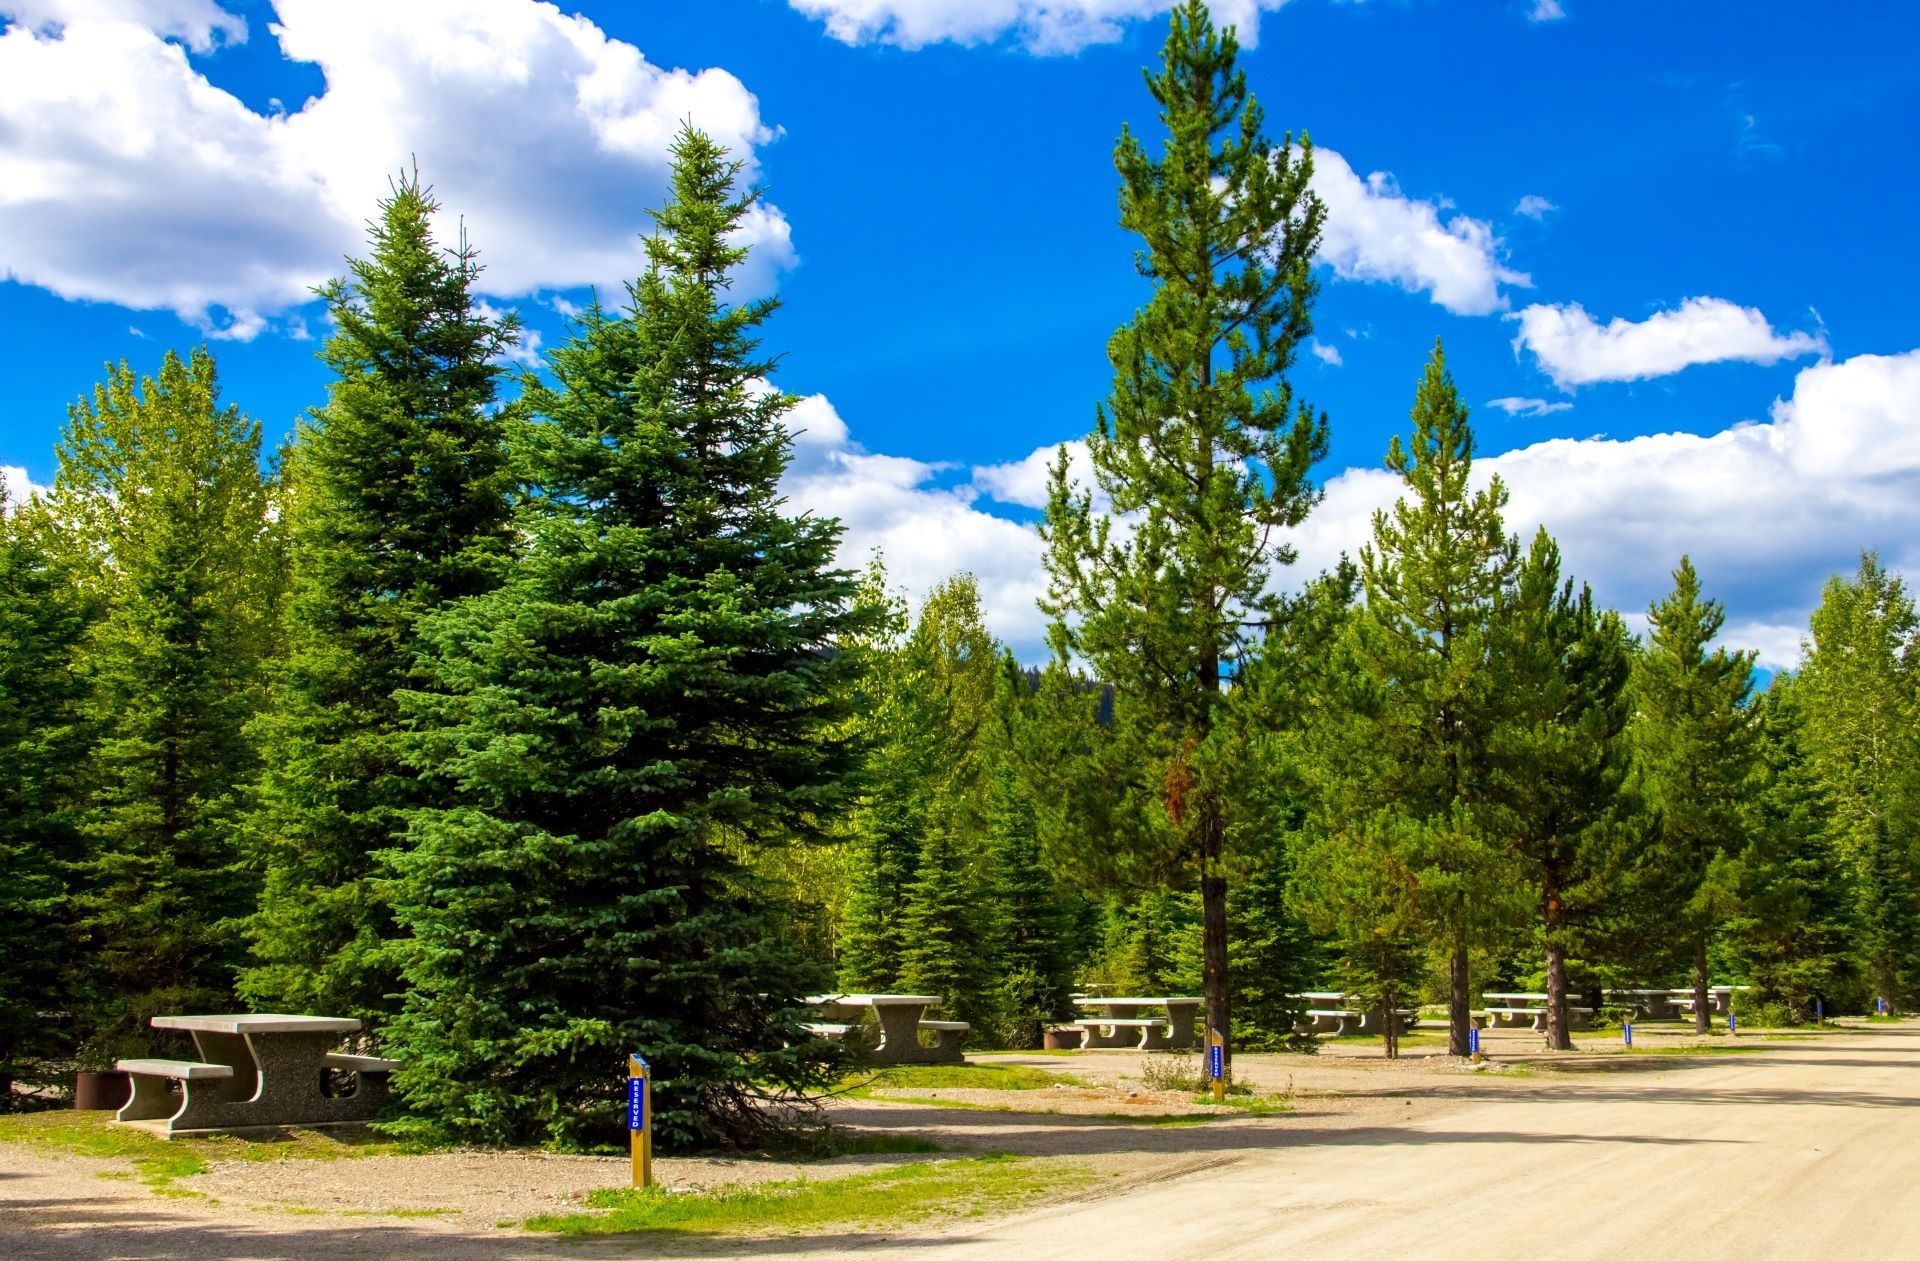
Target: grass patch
<point>962,1077</point>
<point>974,1187</point>
<point>1250,1105</point>
<point>160,1162</point>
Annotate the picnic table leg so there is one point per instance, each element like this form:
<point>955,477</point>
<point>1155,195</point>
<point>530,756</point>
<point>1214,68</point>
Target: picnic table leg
<point>1181,1018</point>
<point>230,1049</point>
<point>899,1034</point>
<point>150,1100</point>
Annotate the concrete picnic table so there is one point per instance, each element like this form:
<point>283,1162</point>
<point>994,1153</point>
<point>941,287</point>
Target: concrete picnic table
<point>1126,1027</point>
<point>1508,1014</point>
<point>263,1070</point>
<point>900,1026</point>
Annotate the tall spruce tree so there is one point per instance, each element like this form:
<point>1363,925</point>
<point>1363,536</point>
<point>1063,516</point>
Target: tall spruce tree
<point>1693,764</point>
<point>1861,731</point>
<point>1438,563</point>
<point>160,504</point>
<point>398,505</point>
<point>1203,446</point>
<point>650,697</point>
<point>1557,757</point>
<point>43,746</point>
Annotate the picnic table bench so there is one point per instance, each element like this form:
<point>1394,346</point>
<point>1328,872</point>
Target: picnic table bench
<point>898,1016</point>
<point>1335,1022</point>
<point>1122,1024</point>
<point>267,1070</point>
<point>1513,1008</point>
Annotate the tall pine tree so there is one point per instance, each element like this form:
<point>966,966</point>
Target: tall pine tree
<point>1439,561</point>
<point>1557,757</point>
<point>1203,447</point>
<point>650,698</point>
<point>1693,764</point>
<point>398,505</point>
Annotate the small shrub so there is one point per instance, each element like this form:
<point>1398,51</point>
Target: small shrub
<point>1174,1071</point>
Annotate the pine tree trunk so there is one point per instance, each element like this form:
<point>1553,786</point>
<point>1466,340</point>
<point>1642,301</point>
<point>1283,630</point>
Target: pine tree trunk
<point>1213,911</point>
<point>1702,1016</point>
<point>1389,1032</point>
<point>1459,1002</point>
<point>1559,1036</point>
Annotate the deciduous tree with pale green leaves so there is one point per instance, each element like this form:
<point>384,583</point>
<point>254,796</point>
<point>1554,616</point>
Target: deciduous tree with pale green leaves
<point>1860,697</point>
<point>160,506</point>
<point>1204,450</point>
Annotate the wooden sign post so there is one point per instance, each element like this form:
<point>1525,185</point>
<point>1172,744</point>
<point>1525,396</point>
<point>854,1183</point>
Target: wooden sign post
<point>640,1119</point>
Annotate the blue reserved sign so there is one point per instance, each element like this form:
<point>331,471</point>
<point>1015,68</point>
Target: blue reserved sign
<point>636,1103</point>
<point>1216,1062</point>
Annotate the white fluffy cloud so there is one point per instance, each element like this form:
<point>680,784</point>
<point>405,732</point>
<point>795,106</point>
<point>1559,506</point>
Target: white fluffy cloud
<point>1041,26</point>
<point>126,176</point>
<point>1329,355</point>
<point>16,487</point>
<point>1765,509</point>
<point>1376,232</point>
<point>926,532</point>
<point>1528,406</point>
<point>1546,11</point>
<point>1534,206</point>
<point>1574,349</point>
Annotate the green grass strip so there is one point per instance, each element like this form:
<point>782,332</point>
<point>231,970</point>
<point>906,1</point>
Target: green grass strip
<point>888,1197</point>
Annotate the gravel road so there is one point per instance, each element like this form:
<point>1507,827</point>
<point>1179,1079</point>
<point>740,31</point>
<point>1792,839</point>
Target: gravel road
<point>1809,1150</point>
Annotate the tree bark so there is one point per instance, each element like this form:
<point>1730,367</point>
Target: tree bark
<point>1459,1002</point>
<point>1559,1036</point>
<point>1702,1016</point>
<point>1213,913</point>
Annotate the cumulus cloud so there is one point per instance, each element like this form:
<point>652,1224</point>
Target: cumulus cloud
<point>1045,27</point>
<point>1546,11</point>
<point>1528,406</point>
<point>1376,232</point>
<point>1574,349</point>
<point>16,487</point>
<point>201,24</point>
<point>1329,355</point>
<point>127,176</point>
<point>1533,206</point>
<point>926,532</point>
<point>1766,509</point>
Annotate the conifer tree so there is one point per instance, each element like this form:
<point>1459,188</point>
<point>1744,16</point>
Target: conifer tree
<point>399,505</point>
<point>926,775</point>
<point>43,744</point>
<point>1204,446</point>
<point>1861,688</point>
<point>1557,757</point>
<point>1693,750</point>
<point>1798,930</point>
<point>160,504</point>
<point>1437,563</point>
<point>947,925</point>
<point>650,696</point>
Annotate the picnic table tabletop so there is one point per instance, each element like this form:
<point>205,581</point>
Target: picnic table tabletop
<point>263,1022</point>
<point>1518,996</point>
<point>873,1000</point>
<point>1134,1002</point>
<point>1331,996</point>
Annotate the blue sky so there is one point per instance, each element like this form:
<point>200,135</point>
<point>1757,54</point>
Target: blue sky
<point>1668,246</point>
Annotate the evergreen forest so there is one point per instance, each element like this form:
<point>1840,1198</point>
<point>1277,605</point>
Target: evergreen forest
<point>515,713</point>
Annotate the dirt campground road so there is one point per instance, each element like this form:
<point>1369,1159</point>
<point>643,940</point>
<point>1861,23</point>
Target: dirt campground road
<point>1808,1149</point>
